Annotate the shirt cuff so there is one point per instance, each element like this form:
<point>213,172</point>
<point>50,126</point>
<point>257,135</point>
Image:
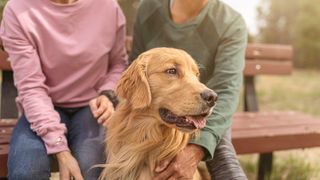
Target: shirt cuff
<point>208,142</point>
<point>111,96</point>
<point>55,142</point>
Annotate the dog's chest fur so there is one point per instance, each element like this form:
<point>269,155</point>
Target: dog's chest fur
<point>137,143</point>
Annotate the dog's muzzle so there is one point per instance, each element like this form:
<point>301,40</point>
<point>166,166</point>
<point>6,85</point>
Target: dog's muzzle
<point>187,122</point>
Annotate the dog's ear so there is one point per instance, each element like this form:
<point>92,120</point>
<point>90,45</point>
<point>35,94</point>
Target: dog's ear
<point>133,85</point>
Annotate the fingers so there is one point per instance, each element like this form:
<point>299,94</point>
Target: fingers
<point>99,105</point>
<point>64,174</point>
<point>105,110</point>
<point>94,107</point>
<point>102,109</point>
<point>67,174</point>
<point>167,173</point>
<point>102,103</point>
<point>103,119</point>
<point>162,166</point>
<point>68,166</point>
<point>76,173</point>
<point>173,178</point>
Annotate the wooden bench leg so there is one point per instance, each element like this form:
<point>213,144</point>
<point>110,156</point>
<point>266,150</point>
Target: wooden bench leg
<point>265,166</point>
<point>4,149</point>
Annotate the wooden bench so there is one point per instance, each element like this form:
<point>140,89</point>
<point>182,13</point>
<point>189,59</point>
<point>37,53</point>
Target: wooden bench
<point>265,132</point>
<point>253,131</point>
<point>6,127</point>
<point>8,111</point>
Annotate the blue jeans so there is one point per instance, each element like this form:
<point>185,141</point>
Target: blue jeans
<point>28,159</point>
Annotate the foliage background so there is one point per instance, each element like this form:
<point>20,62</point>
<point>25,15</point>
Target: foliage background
<point>2,4</point>
<point>294,22</point>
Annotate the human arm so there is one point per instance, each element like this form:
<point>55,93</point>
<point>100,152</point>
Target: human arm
<point>30,82</point>
<point>226,82</point>
<point>33,92</point>
<point>184,165</point>
<point>68,166</point>
<point>102,106</point>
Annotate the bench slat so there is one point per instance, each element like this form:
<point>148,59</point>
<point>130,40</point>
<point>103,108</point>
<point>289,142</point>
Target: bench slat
<point>269,51</point>
<point>8,122</point>
<point>277,131</point>
<point>258,67</point>
<point>275,143</point>
<point>244,121</point>
<point>272,131</point>
<point>6,130</point>
<point>5,139</point>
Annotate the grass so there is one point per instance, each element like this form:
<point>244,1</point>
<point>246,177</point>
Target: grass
<point>298,92</point>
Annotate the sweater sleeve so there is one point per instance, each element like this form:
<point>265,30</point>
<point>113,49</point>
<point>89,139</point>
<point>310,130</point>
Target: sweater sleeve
<point>118,56</point>
<point>30,82</point>
<point>226,82</point>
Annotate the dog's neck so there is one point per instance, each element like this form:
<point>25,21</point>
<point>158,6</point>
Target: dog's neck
<point>137,139</point>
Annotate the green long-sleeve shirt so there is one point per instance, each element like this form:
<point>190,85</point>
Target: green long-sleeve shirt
<point>216,39</point>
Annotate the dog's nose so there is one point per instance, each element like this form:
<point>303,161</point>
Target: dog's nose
<point>209,96</point>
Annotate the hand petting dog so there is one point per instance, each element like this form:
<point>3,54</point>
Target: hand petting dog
<point>183,166</point>
<point>102,109</point>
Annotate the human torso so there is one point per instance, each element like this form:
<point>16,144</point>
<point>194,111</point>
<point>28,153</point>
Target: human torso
<point>73,42</point>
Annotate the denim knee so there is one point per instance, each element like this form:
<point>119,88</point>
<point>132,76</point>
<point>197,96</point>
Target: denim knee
<point>28,157</point>
<point>90,154</point>
<point>28,166</point>
<point>86,142</point>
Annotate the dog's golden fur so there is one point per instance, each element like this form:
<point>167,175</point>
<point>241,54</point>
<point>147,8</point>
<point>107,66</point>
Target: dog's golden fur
<point>137,137</point>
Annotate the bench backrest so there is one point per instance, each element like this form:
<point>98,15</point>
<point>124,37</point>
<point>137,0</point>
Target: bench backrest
<point>269,59</point>
<point>266,59</point>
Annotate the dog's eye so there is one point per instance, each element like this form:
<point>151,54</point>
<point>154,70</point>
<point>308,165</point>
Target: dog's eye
<point>171,71</point>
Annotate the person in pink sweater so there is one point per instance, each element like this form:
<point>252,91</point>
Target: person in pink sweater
<point>67,56</point>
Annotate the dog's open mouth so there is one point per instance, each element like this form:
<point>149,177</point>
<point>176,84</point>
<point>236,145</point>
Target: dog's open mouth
<point>189,121</point>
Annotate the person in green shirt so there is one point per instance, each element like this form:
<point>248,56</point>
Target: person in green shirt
<point>215,36</point>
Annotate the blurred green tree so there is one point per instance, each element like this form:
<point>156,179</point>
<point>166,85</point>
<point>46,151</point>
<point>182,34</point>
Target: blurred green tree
<point>293,22</point>
<point>306,39</point>
<point>2,4</point>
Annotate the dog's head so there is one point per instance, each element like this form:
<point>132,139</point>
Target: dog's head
<point>167,80</point>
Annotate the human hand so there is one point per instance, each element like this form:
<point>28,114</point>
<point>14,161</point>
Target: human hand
<point>68,166</point>
<point>183,166</point>
<point>101,108</point>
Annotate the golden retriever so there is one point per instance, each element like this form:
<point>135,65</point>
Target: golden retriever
<point>162,105</point>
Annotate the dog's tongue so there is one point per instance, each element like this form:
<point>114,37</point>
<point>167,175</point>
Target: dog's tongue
<point>198,122</point>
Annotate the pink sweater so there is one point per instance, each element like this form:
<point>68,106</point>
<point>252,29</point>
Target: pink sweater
<point>62,55</point>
